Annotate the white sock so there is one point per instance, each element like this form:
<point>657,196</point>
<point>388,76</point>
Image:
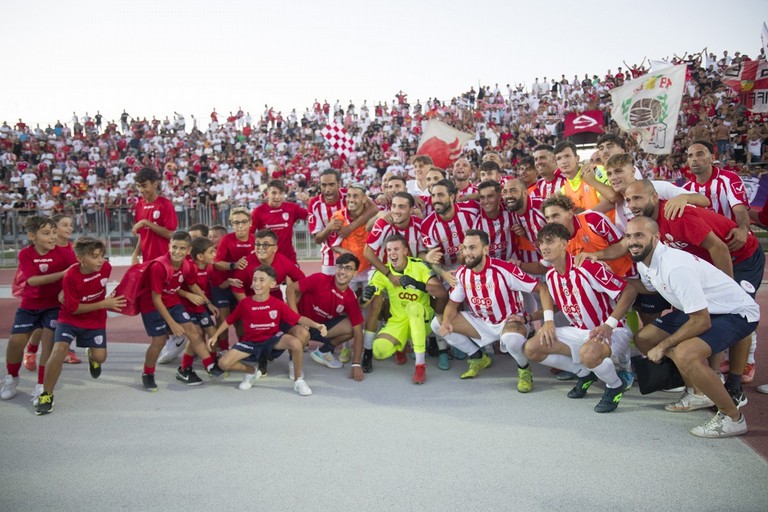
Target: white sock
<point>513,343</point>
<point>368,337</point>
<point>751,358</point>
<point>563,362</point>
<point>606,372</point>
<point>420,357</point>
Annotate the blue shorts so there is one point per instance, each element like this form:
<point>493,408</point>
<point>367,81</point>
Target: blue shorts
<point>315,335</point>
<point>223,297</point>
<point>651,303</point>
<point>27,320</point>
<point>260,349</point>
<point>726,330</point>
<point>91,338</point>
<point>751,270</point>
<point>155,325</point>
<point>203,319</point>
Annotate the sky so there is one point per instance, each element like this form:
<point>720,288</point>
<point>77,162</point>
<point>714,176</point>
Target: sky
<point>157,57</point>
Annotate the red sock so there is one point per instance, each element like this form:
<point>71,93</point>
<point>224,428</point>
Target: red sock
<point>208,361</point>
<point>40,374</point>
<point>187,360</point>
<point>13,369</point>
<point>149,370</point>
<point>32,349</point>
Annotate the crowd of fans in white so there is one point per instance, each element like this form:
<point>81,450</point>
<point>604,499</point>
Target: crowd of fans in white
<point>85,163</point>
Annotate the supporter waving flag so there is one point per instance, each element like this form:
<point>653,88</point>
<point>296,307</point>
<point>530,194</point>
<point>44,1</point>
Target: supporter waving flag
<point>648,107</point>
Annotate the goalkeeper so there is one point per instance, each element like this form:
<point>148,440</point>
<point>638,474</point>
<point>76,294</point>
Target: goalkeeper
<point>409,305</point>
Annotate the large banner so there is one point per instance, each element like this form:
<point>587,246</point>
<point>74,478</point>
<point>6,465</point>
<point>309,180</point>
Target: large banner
<point>589,121</point>
<point>750,80</point>
<point>442,143</point>
<point>648,107</point>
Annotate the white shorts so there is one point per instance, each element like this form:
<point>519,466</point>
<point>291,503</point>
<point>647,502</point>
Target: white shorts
<point>488,332</point>
<point>575,338</point>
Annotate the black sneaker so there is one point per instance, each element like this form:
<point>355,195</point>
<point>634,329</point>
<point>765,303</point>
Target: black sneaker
<point>582,385</point>
<point>44,404</point>
<point>263,366</point>
<point>738,397</point>
<point>367,363</point>
<point>188,376</point>
<point>149,382</point>
<point>216,371</point>
<point>432,349</point>
<point>610,400</point>
<point>93,366</point>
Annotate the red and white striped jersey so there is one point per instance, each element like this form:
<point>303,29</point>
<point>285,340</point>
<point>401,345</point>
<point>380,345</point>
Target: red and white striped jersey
<point>724,189</point>
<point>320,214</point>
<point>544,188</point>
<point>493,294</point>
<point>502,243</point>
<point>532,220</point>
<point>448,235</point>
<point>470,189</point>
<point>381,230</point>
<point>587,294</point>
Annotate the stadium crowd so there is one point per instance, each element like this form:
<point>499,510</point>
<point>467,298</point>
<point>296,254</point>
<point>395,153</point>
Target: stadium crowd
<point>87,163</point>
<point>518,248</point>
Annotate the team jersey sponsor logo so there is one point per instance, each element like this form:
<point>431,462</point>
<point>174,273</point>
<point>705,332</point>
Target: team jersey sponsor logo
<point>481,302</point>
<point>408,296</point>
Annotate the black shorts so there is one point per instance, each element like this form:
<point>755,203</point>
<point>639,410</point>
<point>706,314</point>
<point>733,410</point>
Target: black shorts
<point>259,349</point>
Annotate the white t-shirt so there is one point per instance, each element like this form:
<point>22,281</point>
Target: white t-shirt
<point>691,284</point>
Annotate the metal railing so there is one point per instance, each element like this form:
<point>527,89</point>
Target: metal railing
<point>113,225</point>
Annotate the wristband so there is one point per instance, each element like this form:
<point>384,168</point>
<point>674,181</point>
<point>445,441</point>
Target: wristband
<point>612,322</point>
<point>356,365</point>
<point>231,266</point>
<point>549,315</point>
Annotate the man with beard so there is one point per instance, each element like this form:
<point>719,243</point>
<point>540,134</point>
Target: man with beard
<point>704,234</point>
<point>495,221</point>
<point>711,313</point>
<point>527,220</point>
<point>321,209</point>
<point>494,311</point>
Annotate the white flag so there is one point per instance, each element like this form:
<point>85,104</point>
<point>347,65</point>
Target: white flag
<point>443,143</point>
<point>764,40</point>
<point>648,107</point>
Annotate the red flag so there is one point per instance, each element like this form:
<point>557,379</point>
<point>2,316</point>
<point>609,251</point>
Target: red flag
<point>442,143</point>
<point>750,80</point>
<point>589,121</point>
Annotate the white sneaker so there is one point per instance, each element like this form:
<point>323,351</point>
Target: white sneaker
<point>325,358</point>
<point>290,371</point>
<point>690,402</point>
<point>301,387</point>
<point>9,387</point>
<point>36,394</point>
<point>763,389</point>
<point>249,380</point>
<point>721,425</point>
<point>173,347</point>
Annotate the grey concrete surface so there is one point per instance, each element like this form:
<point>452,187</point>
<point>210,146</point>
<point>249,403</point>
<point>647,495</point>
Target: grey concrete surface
<point>383,444</point>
